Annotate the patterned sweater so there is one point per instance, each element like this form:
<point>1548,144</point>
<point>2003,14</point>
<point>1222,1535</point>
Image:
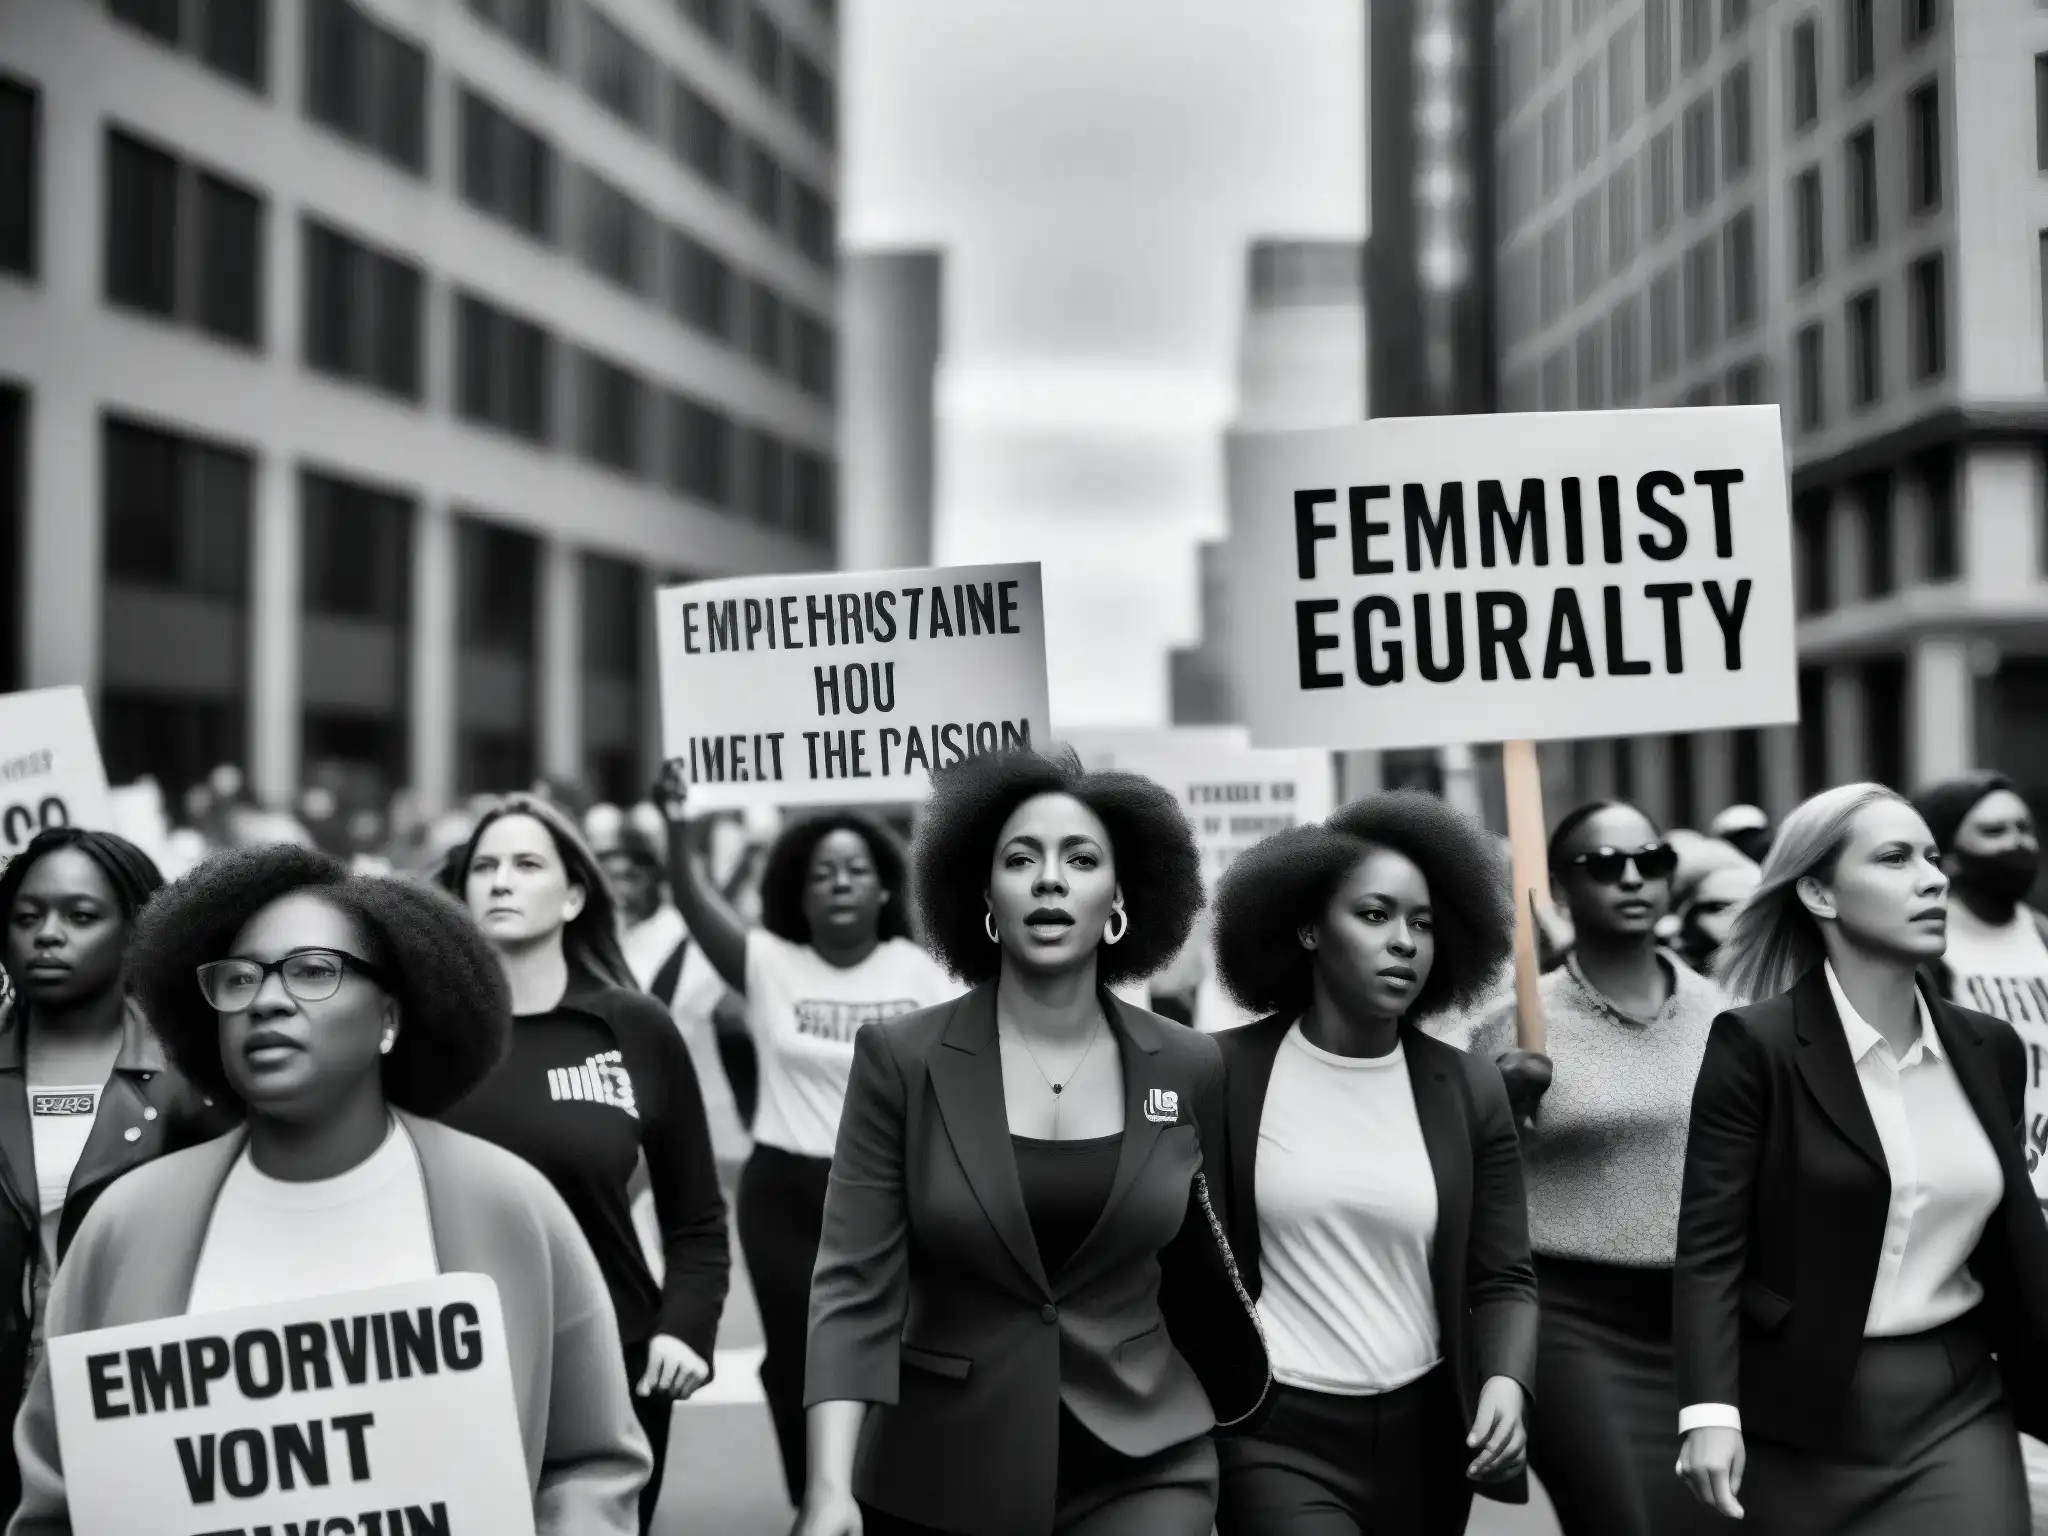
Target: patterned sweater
<point>1605,1160</point>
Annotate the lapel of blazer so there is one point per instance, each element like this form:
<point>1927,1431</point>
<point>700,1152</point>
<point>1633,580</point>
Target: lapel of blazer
<point>1250,1051</point>
<point>966,1073</point>
<point>1829,1069</point>
<point>1137,1039</point>
<point>1448,1141</point>
<point>17,1141</point>
<point>124,1106</point>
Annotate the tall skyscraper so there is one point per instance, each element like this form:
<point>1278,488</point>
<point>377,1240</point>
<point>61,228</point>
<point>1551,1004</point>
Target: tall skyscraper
<point>368,362</point>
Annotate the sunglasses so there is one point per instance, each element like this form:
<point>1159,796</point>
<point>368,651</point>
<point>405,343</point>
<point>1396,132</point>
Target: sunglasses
<point>1653,861</point>
<point>309,976</point>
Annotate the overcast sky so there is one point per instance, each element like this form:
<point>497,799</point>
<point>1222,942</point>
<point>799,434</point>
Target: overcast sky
<point>1094,170</point>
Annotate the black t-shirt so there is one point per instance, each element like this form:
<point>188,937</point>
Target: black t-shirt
<point>584,1091</point>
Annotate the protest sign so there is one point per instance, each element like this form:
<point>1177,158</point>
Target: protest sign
<point>50,771</point>
<point>848,687</point>
<point>379,1413</point>
<point>1439,580</point>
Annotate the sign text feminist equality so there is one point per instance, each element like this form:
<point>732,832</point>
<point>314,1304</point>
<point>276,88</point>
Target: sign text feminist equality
<point>1417,582</point>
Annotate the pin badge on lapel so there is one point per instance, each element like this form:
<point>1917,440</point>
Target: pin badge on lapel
<point>1162,1106</point>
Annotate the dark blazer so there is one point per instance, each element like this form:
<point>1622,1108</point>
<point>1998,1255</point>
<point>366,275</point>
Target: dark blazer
<point>1479,1260</point>
<point>146,1110</point>
<point>1783,1217</point>
<point>930,1301</point>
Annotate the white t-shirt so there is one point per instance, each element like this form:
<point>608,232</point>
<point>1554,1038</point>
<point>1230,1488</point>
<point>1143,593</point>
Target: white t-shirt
<point>803,1012</point>
<point>60,1123</point>
<point>2003,971</point>
<point>1347,1212</point>
<point>277,1240</point>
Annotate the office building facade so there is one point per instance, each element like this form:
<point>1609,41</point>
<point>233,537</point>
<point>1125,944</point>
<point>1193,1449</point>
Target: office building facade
<point>1840,206</point>
<point>365,364</point>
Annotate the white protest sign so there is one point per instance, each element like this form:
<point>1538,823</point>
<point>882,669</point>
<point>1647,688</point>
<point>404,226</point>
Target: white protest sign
<point>848,687</point>
<point>381,1413</point>
<point>1413,582</point>
<point>50,770</point>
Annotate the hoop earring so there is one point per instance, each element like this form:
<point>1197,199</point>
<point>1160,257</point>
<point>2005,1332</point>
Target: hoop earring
<point>1123,926</point>
<point>988,926</point>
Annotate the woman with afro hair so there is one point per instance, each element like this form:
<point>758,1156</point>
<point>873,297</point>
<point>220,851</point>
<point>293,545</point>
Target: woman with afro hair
<point>831,954</point>
<point>1375,1178</point>
<point>1025,1319</point>
<point>597,1083</point>
<point>340,1013</point>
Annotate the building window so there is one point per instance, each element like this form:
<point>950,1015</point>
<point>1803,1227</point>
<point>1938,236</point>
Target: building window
<point>617,71</point>
<point>1702,298</point>
<point>1749,766</point>
<point>700,452</point>
<point>1553,32</point>
<point>1940,544</point>
<point>504,370</point>
<point>1859,38</point>
<point>1734,16</point>
<point>1585,115</point>
<point>714,18</point>
<point>1927,302</point>
<point>1557,381</point>
<point>177,512</point>
<point>811,497</point>
<point>766,341</point>
<point>529,23</point>
<point>1810,360</point>
<point>1812,553</point>
<point>812,343</point>
<point>231,37</point>
<point>362,312</point>
<point>703,294</point>
<point>1746,383</point>
<point>1663,187</point>
<point>1922,17</point>
<point>1622,50</point>
<point>355,540</point>
<point>1656,50</point>
<point>1880,561</point>
<point>1696,33</point>
<point>1923,137</point>
<point>764,51</point>
<point>366,83</point>
<point>1592,368</point>
<point>811,94</point>
<point>508,170</point>
<point>1625,343</point>
<point>612,431</point>
<point>1555,289</point>
<point>617,235</point>
<point>1862,157</point>
<point>1553,146</point>
<point>1808,247</point>
<point>811,215</point>
<point>767,498</point>
<point>1805,74</point>
<point>1621,217</point>
<point>497,612</point>
<point>20,176</point>
<point>1813,730</point>
<point>1664,325</point>
<point>1866,351</point>
<point>764,187</point>
<point>1884,718</point>
<point>1739,263</point>
<point>1586,245</point>
<point>701,137</point>
<point>183,243</point>
<point>1738,143</point>
<point>1699,154</point>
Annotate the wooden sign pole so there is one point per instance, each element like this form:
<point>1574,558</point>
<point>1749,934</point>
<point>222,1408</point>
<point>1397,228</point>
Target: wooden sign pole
<point>1531,858</point>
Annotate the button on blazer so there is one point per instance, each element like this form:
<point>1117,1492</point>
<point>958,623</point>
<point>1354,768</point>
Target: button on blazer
<point>930,1301</point>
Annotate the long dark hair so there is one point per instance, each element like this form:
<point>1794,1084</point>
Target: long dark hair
<point>590,940</point>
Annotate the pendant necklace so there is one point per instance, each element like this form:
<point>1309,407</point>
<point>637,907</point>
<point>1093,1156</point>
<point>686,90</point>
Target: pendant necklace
<point>1060,1087</point>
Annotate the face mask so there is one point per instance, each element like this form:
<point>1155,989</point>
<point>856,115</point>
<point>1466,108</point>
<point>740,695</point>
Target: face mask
<point>2006,876</point>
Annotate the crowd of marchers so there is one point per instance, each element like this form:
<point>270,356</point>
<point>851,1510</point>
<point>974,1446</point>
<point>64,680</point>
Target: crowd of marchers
<point>1747,1233</point>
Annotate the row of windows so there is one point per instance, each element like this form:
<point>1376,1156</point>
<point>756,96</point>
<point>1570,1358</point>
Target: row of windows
<point>1919,20</point>
<point>621,75</point>
<point>1873,502</point>
<point>1927,345</point>
<point>1861,211</point>
<point>231,37</point>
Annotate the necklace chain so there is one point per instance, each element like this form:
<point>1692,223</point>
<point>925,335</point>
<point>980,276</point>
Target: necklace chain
<point>1060,1087</point>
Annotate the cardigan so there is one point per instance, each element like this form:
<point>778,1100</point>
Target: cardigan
<point>586,1458</point>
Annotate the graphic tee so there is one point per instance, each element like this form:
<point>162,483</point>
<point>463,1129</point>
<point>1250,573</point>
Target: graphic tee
<point>61,1118</point>
<point>803,1013</point>
<point>2003,971</point>
<point>273,1240</point>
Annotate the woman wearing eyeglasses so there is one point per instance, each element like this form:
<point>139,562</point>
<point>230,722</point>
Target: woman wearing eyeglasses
<point>1604,1115</point>
<point>339,1012</point>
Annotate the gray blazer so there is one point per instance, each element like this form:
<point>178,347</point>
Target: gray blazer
<point>135,1255</point>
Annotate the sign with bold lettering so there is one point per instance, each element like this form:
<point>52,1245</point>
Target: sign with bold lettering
<point>848,687</point>
<point>50,771</point>
<point>1414,582</point>
<point>380,1413</point>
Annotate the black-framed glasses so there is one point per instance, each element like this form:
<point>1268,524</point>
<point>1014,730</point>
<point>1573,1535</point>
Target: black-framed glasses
<point>1653,861</point>
<point>309,976</point>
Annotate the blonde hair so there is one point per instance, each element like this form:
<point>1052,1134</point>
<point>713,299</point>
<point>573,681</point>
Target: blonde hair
<point>1774,940</point>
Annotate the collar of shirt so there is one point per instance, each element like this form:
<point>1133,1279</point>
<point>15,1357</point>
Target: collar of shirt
<point>1604,1004</point>
<point>1863,1039</point>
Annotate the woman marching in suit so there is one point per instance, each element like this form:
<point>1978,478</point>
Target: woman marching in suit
<point>1025,1320</point>
<point>1861,1311</point>
<point>1375,1180</point>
